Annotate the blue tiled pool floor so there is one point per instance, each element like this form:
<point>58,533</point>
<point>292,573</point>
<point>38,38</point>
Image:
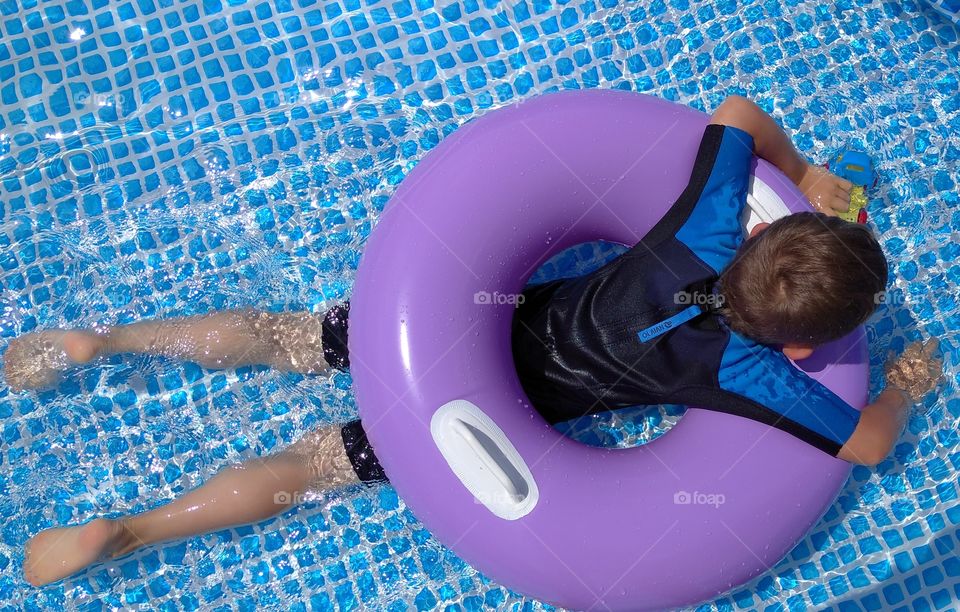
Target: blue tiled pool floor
<point>163,158</point>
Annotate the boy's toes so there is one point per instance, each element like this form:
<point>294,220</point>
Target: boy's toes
<point>33,362</point>
<point>54,554</point>
<point>37,360</point>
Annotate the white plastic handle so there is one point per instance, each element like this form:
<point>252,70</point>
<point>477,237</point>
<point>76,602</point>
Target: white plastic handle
<point>484,459</point>
<point>763,205</point>
<point>481,454</point>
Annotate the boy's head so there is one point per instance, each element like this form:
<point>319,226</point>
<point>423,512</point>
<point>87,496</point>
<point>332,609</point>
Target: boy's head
<point>804,280</point>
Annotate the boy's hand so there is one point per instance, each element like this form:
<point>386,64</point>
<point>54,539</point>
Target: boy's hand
<point>827,192</point>
<point>880,426</point>
<point>909,377</point>
<point>916,372</point>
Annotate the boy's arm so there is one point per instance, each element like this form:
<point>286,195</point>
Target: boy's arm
<point>878,430</point>
<point>828,193</point>
<point>909,378</point>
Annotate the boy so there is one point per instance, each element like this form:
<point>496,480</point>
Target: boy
<point>802,281</point>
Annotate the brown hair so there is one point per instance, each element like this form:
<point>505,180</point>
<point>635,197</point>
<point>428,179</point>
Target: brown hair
<point>807,279</point>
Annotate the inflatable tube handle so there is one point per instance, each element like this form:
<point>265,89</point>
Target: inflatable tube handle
<point>763,205</point>
<point>484,459</point>
<point>466,432</point>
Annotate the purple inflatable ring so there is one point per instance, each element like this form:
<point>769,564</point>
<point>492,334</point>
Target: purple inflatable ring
<point>713,502</point>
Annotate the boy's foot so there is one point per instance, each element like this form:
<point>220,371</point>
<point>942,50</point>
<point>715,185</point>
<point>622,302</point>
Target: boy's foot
<point>54,554</point>
<point>827,192</point>
<point>37,360</point>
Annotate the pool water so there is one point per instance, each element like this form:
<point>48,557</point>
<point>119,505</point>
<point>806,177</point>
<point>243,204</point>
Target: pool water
<point>948,8</point>
<point>162,158</point>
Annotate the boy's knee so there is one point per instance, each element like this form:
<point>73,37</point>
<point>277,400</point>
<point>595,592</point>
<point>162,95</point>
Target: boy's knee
<point>733,106</point>
<point>735,102</point>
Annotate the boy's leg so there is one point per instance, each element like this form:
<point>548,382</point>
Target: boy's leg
<point>324,459</point>
<point>229,339</point>
<point>299,341</point>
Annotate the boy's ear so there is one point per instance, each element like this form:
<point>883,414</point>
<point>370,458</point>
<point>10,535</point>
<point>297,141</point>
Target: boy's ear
<point>797,352</point>
<point>759,227</point>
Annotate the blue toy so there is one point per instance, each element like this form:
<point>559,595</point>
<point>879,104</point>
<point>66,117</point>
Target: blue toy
<point>856,167</point>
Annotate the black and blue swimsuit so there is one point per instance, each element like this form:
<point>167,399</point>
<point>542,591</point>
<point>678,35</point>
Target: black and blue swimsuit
<point>641,330</point>
<point>630,333</point>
